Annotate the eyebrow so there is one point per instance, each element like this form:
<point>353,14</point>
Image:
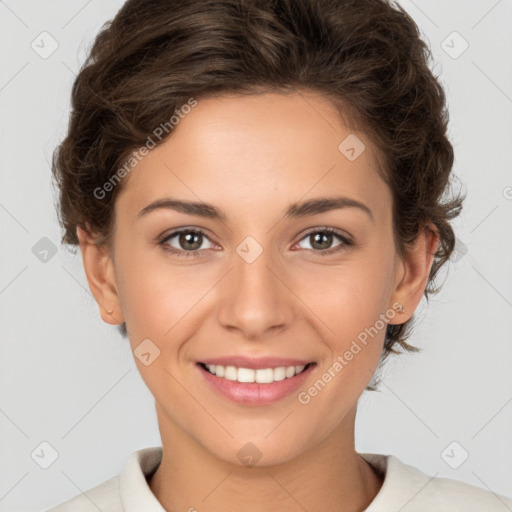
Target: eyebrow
<point>296,210</point>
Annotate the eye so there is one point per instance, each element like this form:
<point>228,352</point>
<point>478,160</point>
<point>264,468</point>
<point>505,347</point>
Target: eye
<point>188,242</point>
<point>321,240</point>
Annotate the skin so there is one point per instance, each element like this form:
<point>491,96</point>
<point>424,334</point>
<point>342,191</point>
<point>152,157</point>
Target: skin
<point>252,157</point>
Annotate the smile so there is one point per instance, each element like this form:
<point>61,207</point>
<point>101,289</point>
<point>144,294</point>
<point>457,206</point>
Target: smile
<point>249,375</point>
<point>255,386</point>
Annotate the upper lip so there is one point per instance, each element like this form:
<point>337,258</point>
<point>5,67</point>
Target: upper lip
<point>255,363</point>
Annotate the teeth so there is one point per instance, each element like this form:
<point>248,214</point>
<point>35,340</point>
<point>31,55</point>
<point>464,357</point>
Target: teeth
<point>230,373</point>
<point>279,373</point>
<point>261,376</point>
<point>245,375</point>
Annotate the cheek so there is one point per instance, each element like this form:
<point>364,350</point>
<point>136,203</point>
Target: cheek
<point>349,297</point>
<point>351,301</point>
<point>156,294</point>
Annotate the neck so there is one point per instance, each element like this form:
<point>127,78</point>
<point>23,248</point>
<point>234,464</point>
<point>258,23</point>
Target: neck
<point>330,476</point>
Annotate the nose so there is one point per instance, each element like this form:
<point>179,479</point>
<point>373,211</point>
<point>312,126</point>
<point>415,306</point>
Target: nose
<point>255,298</point>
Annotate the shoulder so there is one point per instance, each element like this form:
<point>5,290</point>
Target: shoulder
<point>127,491</point>
<point>104,497</point>
<point>408,489</point>
<point>444,492</point>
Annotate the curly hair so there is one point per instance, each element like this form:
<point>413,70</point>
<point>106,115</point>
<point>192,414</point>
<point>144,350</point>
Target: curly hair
<point>366,56</point>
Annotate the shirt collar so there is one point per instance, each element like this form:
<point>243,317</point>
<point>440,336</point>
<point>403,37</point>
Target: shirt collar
<point>136,495</point>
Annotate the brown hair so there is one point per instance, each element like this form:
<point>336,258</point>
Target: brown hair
<point>365,55</point>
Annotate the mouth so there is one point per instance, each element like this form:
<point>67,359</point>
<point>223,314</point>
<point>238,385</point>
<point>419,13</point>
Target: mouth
<point>255,386</point>
<point>258,376</point>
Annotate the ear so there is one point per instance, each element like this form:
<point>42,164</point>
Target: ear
<point>99,270</point>
<point>415,269</point>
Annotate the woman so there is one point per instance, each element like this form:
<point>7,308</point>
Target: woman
<point>257,190</point>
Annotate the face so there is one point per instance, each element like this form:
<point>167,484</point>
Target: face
<point>260,279</point>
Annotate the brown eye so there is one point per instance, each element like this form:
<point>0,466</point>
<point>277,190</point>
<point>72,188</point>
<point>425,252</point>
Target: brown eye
<point>186,242</point>
<point>190,240</point>
<point>321,241</point>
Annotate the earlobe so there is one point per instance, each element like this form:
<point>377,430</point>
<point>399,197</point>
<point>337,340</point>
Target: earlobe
<point>99,270</point>
<point>416,264</point>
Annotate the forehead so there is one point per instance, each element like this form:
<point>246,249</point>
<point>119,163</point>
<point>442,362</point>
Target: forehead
<point>244,150</point>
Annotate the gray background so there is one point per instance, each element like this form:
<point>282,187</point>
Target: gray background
<point>69,380</point>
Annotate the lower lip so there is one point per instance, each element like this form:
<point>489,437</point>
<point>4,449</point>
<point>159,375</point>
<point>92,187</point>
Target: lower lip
<point>254,393</point>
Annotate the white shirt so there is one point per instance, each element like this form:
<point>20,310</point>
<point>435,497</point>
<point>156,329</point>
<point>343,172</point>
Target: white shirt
<point>405,489</point>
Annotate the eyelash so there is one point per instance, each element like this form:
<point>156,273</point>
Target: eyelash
<point>196,253</point>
